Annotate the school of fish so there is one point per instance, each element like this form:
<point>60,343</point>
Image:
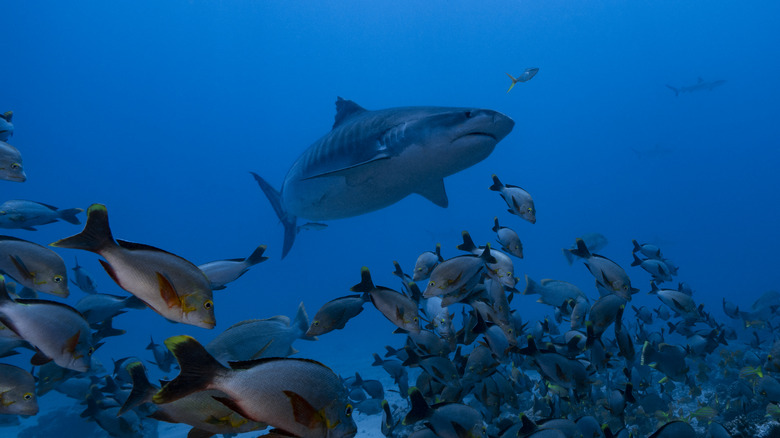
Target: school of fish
<point>467,364</point>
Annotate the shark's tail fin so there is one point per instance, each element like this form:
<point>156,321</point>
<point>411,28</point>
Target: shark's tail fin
<point>514,81</point>
<point>275,198</point>
<point>676,91</point>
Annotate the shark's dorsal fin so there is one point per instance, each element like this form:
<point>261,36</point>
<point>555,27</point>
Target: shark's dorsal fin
<point>346,109</point>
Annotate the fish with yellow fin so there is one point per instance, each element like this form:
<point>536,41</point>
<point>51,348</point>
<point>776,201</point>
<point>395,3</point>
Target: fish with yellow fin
<point>172,286</point>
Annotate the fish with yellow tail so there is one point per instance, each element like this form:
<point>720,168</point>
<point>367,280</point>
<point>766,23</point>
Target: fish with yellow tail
<point>524,77</point>
<point>172,286</point>
<point>299,397</point>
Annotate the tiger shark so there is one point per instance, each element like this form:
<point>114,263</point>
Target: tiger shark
<point>372,159</point>
<point>698,86</point>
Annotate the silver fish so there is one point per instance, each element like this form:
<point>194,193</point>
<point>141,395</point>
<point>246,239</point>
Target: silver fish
<point>258,338</point>
<point>509,240</point>
<point>518,199</point>
<point>222,272</point>
<point>426,262</point>
<point>11,168</point>
<point>57,330</point>
<point>525,76</point>
<point>169,284</point>
<point>594,242</point>
<point>302,397</point>
<point>395,306</point>
<point>17,391</point>
<point>373,159</point>
<point>83,280</point>
<point>22,214</point>
<point>33,266</point>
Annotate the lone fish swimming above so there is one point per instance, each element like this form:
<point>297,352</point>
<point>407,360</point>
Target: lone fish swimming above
<point>373,159</point>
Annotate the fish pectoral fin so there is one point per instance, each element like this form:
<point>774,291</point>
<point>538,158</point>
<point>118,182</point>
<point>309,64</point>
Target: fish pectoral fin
<point>19,264</point>
<point>303,412</point>
<point>39,358</point>
<point>167,291</point>
<point>434,191</point>
<point>260,351</point>
<point>232,405</point>
<point>72,343</point>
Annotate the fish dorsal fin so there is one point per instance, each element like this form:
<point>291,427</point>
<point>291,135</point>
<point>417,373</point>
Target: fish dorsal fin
<point>134,246</point>
<point>434,191</point>
<point>346,109</point>
<point>28,301</point>
<point>8,115</point>
<point>247,364</point>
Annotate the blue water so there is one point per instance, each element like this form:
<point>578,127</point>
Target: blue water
<point>161,109</point>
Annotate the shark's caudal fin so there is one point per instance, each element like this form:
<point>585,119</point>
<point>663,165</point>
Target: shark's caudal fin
<point>275,198</point>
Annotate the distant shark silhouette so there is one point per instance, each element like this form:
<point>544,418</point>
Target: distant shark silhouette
<point>373,159</point>
<point>699,86</point>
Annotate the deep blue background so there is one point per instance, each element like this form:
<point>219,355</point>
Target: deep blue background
<point>160,109</point>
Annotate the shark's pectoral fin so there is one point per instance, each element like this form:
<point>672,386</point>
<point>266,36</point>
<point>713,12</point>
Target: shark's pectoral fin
<point>434,191</point>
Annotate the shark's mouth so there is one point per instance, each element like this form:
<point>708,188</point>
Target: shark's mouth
<point>476,134</point>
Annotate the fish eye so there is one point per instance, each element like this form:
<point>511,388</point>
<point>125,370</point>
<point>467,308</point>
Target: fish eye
<point>530,209</point>
<point>208,304</point>
<point>91,350</point>
<point>431,283</point>
<point>315,323</point>
<point>415,319</point>
<point>15,166</point>
<point>625,287</point>
<point>28,396</point>
<point>348,410</point>
<point>58,278</point>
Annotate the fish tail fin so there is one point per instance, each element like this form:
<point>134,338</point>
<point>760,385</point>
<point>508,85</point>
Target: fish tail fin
<point>142,391</point>
<point>3,291</point>
<point>96,234</point>
<point>257,256</point>
<point>366,284</point>
<point>468,244</point>
<point>438,252</point>
<point>531,287</point>
<point>497,185</point>
<point>637,246</point>
<point>636,261</point>
<point>275,198</point>
<point>514,81</point>
<point>496,227</point>
<point>582,250</point>
<point>302,322</point>
<point>198,369</point>
<point>420,408</point>
<point>569,256</point>
<point>676,91</point>
<point>69,215</point>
